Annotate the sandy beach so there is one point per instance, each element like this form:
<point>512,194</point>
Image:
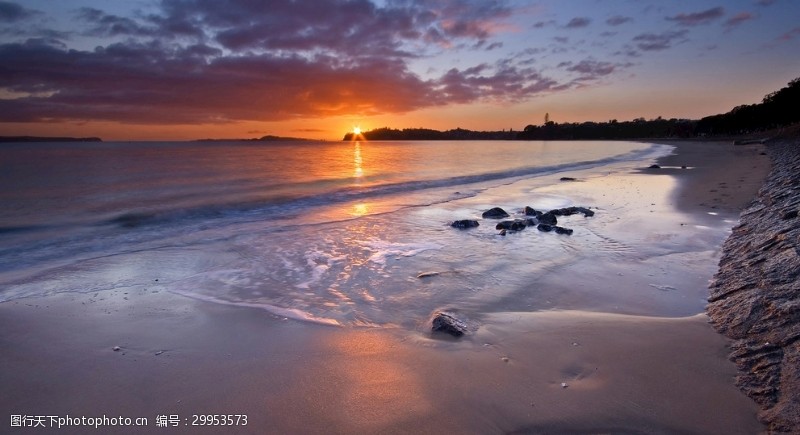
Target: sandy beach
<point>587,369</point>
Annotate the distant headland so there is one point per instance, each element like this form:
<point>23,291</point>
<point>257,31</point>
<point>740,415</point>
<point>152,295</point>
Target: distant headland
<point>775,111</point>
<point>48,139</point>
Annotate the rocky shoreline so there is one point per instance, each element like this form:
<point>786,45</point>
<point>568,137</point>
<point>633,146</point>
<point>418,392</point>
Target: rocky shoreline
<point>755,296</point>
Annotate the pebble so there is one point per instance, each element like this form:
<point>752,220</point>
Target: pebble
<point>159,352</point>
<point>564,385</point>
<point>505,359</point>
<point>116,348</point>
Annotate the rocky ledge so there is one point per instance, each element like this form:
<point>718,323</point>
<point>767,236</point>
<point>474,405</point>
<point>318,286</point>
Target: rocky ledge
<point>755,296</point>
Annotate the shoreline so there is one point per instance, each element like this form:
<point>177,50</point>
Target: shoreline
<point>290,376</point>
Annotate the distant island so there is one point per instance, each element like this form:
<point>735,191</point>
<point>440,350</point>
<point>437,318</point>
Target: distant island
<point>268,138</point>
<point>777,110</point>
<point>48,139</point>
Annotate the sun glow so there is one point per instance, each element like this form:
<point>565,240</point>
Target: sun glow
<point>356,131</point>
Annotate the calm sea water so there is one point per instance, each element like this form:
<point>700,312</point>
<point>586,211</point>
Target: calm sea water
<point>334,232</point>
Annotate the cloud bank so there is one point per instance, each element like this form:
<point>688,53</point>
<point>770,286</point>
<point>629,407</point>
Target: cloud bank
<point>204,61</point>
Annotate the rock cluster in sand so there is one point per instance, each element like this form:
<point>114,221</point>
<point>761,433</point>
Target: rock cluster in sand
<point>755,297</point>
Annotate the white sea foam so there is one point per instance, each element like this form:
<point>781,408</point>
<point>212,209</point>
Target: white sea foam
<point>382,250</point>
<point>291,313</point>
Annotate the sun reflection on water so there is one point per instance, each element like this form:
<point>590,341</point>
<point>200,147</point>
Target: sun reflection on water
<point>360,209</point>
<point>358,172</point>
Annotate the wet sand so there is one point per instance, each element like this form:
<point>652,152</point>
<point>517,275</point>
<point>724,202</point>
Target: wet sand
<point>623,373</point>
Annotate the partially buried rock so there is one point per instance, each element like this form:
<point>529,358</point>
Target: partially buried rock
<point>548,218</point>
<point>495,213</point>
<point>562,230</point>
<point>448,323</point>
<point>654,167</point>
<point>559,230</point>
<point>569,211</point>
<point>428,274</point>
<point>464,224</point>
<point>568,179</point>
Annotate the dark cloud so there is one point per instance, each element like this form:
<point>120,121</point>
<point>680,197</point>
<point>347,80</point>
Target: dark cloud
<point>103,24</point>
<point>618,20</point>
<point>153,84</point>
<point>658,41</point>
<point>541,24</point>
<point>628,51</point>
<point>505,83</point>
<point>738,19</point>
<point>765,3</point>
<point>494,45</point>
<point>12,12</point>
<point>698,18</point>
<point>590,69</point>
<point>205,61</point>
<point>578,22</point>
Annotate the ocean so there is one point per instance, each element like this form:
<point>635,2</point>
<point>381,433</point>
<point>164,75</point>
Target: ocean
<point>340,232</point>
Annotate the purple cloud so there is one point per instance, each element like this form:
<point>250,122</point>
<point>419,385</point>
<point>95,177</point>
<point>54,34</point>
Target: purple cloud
<point>618,20</point>
<point>578,22</point>
<point>658,41</point>
<point>589,68</point>
<point>788,36</point>
<point>698,18</point>
<point>12,12</point>
<point>111,25</point>
<point>202,61</point>
<point>738,19</point>
<point>765,3</point>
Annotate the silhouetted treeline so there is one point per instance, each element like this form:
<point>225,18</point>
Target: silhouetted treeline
<point>428,134</point>
<point>638,128</point>
<point>776,110</point>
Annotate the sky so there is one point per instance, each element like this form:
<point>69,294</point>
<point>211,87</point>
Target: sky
<point>189,69</point>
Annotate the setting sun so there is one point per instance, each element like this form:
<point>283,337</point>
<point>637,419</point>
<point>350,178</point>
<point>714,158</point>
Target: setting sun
<point>356,130</point>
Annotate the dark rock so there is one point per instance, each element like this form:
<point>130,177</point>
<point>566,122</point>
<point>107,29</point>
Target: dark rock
<point>464,223</point>
<point>448,323</point>
<point>502,232</point>
<point>515,225</point>
<point>531,221</point>
<point>562,230</point>
<point>568,179</point>
<point>544,227</point>
<point>548,218</point>
<point>683,167</point>
<point>495,213</point>
<point>531,212</point>
<point>654,167</point>
<point>569,211</point>
<point>586,212</point>
<point>790,215</point>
